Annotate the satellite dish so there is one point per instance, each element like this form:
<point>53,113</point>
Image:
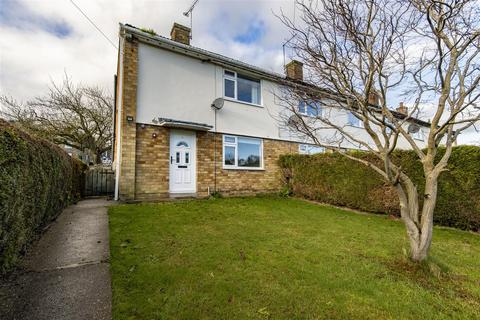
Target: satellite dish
<point>218,103</point>
<point>294,121</point>
<point>413,128</point>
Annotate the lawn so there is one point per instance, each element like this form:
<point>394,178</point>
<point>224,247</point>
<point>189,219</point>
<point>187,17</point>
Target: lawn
<point>275,258</point>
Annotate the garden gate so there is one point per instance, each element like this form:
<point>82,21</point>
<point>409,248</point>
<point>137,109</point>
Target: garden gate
<point>99,181</point>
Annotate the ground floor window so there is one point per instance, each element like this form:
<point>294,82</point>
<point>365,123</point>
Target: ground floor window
<point>242,153</point>
<point>310,149</point>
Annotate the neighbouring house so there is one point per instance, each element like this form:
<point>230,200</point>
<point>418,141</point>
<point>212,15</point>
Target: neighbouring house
<point>170,142</point>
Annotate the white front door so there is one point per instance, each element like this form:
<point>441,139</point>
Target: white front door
<point>182,161</point>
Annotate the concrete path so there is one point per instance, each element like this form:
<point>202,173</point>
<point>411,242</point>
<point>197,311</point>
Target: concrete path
<point>66,273</point>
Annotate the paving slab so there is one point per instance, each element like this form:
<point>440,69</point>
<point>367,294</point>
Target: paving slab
<point>66,273</point>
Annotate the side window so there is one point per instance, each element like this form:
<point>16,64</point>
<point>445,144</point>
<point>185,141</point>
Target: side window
<point>229,84</point>
<point>311,109</point>
<point>354,121</point>
<point>418,135</point>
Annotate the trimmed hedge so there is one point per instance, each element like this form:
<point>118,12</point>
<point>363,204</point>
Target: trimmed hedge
<point>335,179</point>
<point>37,180</point>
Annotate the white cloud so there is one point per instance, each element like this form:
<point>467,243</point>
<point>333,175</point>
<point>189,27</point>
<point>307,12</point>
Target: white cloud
<point>32,57</point>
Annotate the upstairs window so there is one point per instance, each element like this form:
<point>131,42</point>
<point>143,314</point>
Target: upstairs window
<point>311,109</point>
<point>242,153</point>
<point>354,121</point>
<point>242,88</point>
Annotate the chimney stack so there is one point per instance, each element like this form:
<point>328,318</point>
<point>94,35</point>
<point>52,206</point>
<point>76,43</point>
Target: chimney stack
<point>294,70</point>
<point>373,98</point>
<point>402,109</point>
<point>180,34</point>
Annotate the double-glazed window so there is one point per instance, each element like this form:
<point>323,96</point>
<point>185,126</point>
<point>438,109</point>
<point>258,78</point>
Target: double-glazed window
<point>310,149</point>
<point>354,121</point>
<point>311,109</point>
<point>418,135</point>
<point>241,88</point>
<point>242,153</point>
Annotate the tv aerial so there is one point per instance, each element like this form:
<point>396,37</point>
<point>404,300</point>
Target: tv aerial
<point>189,13</point>
<point>286,42</point>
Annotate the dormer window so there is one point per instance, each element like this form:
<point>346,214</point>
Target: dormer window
<point>241,88</point>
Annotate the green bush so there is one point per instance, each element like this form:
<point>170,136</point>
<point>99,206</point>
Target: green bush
<point>335,179</point>
<point>37,180</point>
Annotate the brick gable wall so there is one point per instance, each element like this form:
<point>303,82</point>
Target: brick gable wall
<point>128,128</point>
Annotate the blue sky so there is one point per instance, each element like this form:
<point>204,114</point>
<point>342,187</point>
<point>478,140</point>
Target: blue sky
<point>41,40</point>
<point>14,14</point>
<point>255,31</point>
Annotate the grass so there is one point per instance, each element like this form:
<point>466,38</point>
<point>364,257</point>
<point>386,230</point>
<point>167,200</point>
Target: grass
<point>274,258</point>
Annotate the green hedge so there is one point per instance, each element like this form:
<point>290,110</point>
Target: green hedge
<point>334,179</point>
<point>37,180</point>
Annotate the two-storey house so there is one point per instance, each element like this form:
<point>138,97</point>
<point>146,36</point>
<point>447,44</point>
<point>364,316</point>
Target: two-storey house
<point>169,141</point>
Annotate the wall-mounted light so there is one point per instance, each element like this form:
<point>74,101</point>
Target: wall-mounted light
<point>142,126</point>
<point>154,135</point>
<point>129,118</point>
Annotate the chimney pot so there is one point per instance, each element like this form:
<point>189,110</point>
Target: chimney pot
<point>180,33</point>
<point>402,109</point>
<point>294,70</point>
<point>373,98</point>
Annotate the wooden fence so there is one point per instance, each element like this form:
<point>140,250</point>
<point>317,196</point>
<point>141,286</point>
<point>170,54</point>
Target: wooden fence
<point>99,182</point>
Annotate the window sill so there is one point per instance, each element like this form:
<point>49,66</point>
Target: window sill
<point>243,102</point>
<point>354,126</point>
<point>310,115</point>
<point>242,169</point>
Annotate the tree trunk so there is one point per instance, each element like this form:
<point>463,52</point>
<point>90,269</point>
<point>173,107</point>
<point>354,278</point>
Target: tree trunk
<point>419,224</point>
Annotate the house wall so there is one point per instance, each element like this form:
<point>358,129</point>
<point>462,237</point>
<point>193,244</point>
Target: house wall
<point>151,179</point>
<point>235,181</point>
<point>152,156</point>
<point>175,86</point>
<point>126,143</point>
<point>158,83</point>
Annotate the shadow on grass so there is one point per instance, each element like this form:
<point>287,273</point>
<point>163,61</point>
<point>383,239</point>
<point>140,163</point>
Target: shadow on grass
<point>434,276</point>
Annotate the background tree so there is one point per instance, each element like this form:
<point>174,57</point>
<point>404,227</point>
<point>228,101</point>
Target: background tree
<point>74,115</point>
<point>354,50</point>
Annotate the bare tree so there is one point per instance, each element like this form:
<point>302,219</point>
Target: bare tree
<point>358,54</point>
<point>73,115</point>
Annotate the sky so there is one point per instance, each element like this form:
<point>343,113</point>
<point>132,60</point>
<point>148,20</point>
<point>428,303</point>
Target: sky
<point>42,40</point>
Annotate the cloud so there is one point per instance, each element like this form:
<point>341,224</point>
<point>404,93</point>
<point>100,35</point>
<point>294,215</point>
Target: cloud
<point>16,15</point>
<point>42,40</point>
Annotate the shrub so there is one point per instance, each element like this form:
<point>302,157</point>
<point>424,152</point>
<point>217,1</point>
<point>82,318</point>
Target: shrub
<point>37,180</point>
<point>335,179</point>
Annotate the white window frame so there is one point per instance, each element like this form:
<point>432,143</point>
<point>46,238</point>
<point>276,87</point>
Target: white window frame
<point>360,122</point>
<point>235,145</point>
<point>235,98</point>
<point>419,135</point>
<point>319,109</point>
